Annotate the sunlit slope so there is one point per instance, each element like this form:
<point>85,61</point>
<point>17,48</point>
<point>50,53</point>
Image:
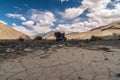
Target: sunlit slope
<point>103,31</point>
<point>10,33</point>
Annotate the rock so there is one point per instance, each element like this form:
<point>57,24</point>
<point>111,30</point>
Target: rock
<point>118,75</point>
<point>28,50</point>
<point>9,50</point>
<point>1,50</point>
<point>79,78</point>
<point>59,46</point>
<point>106,59</point>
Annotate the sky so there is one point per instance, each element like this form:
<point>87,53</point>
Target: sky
<point>34,17</point>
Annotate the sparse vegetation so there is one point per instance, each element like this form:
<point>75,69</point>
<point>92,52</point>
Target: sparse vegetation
<point>21,39</point>
<point>115,34</point>
<point>38,38</point>
<point>95,38</point>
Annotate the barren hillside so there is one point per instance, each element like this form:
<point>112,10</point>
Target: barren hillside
<point>108,31</point>
<point>10,33</point>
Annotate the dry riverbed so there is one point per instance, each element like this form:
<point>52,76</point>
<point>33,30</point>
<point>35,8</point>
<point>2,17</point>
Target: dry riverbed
<point>72,60</point>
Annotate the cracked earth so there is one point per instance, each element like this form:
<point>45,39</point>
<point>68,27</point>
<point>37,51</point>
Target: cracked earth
<point>60,62</point>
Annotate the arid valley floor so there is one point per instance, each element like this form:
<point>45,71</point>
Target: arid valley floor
<point>72,60</point>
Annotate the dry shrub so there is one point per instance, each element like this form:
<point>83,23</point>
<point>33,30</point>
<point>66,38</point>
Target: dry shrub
<point>21,39</point>
<point>96,38</point>
<point>38,38</point>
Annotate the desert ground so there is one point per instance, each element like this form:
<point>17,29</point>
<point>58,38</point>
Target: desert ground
<point>50,60</point>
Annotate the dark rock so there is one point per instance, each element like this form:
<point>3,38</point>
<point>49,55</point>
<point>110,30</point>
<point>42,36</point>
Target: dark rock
<point>106,59</point>
<point>2,50</point>
<point>118,75</point>
<point>79,77</point>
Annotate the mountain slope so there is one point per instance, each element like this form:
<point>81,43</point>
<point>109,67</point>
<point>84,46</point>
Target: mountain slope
<point>10,33</point>
<point>104,31</point>
<point>107,32</point>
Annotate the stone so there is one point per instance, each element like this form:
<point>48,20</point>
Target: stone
<point>28,50</point>
<point>118,75</point>
<point>9,50</point>
<point>1,50</point>
<point>106,59</point>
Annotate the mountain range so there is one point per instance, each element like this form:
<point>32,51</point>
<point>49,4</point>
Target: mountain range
<point>110,31</point>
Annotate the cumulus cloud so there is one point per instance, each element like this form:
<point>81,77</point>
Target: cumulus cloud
<point>103,16</point>
<point>18,16</point>
<point>42,18</point>
<point>41,30</point>
<point>72,13</point>
<point>92,5</point>
<point>23,29</point>
<point>98,15</point>
<point>3,22</point>
<point>95,5</point>
<point>40,22</point>
<point>75,27</point>
<point>28,23</point>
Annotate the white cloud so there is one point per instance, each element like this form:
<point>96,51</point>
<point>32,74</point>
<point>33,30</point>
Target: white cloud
<point>42,18</point>
<point>39,22</point>
<point>95,5</point>
<point>3,22</point>
<point>18,8</point>
<point>23,29</point>
<point>92,5</point>
<point>75,27</point>
<point>41,30</point>
<point>18,16</point>
<point>28,23</point>
<point>105,16</point>
<point>72,13</point>
<point>63,1</point>
<point>22,18</point>
<point>117,1</point>
<point>14,24</point>
<point>98,15</point>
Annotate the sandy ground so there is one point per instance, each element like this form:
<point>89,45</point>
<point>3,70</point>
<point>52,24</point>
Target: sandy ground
<point>96,60</point>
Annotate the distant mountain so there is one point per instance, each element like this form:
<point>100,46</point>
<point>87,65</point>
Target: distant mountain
<point>111,31</point>
<point>10,33</point>
<point>51,33</point>
<point>44,36</point>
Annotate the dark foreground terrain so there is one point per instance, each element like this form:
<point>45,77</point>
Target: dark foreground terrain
<point>50,60</point>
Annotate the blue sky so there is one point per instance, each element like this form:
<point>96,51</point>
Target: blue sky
<point>23,6</point>
<point>41,16</point>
